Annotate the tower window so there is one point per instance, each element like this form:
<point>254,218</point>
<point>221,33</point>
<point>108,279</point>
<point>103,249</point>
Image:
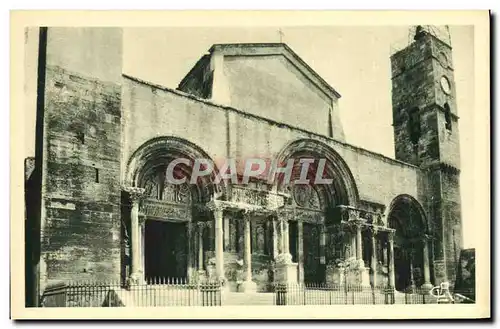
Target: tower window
<point>96,175</point>
<point>414,125</point>
<point>330,126</point>
<point>447,116</point>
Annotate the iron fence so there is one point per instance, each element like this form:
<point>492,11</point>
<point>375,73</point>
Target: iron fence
<point>155,293</point>
<point>324,294</point>
<point>178,292</point>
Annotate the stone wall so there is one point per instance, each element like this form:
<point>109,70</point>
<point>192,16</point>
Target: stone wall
<point>80,221</point>
<point>81,231</point>
<point>272,87</point>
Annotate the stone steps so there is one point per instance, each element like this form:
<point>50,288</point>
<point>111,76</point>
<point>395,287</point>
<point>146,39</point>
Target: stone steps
<point>241,298</point>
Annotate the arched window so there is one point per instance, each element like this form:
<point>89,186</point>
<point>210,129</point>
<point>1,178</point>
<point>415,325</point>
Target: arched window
<point>414,125</point>
<point>447,116</point>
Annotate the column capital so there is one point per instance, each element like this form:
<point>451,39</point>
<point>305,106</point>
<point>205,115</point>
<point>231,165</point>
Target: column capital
<point>390,234</point>
<point>201,224</point>
<point>135,193</point>
<point>245,213</point>
<point>247,217</point>
<point>359,223</point>
<point>354,225</point>
<point>373,230</point>
<point>215,205</point>
<point>283,220</point>
<point>142,219</point>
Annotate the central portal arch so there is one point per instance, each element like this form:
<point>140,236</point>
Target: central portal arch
<point>311,244</point>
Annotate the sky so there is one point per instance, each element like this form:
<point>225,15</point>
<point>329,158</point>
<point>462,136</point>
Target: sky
<point>354,60</point>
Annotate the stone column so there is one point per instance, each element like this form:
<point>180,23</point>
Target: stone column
<point>286,236</point>
<point>412,270</point>
<point>211,236</point>
<point>135,194</point>
<point>286,270</point>
<point>190,260</point>
<point>359,243</point>
<point>282,239</point>
<point>373,261</point>
<point>275,238</point>
<point>227,231</point>
<point>248,249</point>
<point>200,246</point>
<point>248,285</point>
<point>142,247</point>
<point>219,243</point>
<point>386,259</point>
<point>364,273</point>
<point>352,234</point>
<point>322,244</point>
<point>427,271</point>
<point>392,278</point>
<point>300,250</point>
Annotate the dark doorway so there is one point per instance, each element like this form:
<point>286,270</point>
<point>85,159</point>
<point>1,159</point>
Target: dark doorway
<point>165,250</point>
<point>313,271</point>
<point>409,266</point>
<point>402,266</point>
<point>406,217</point>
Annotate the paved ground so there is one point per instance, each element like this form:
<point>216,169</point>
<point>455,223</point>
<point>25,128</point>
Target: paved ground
<point>168,296</point>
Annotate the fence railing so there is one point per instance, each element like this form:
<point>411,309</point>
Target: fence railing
<point>161,293</point>
<point>157,293</point>
<point>324,294</point>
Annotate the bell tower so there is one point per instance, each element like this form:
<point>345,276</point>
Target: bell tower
<point>426,134</point>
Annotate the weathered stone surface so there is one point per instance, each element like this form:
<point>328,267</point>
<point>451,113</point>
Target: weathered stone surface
<point>82,199</point>
<point>417,72</point>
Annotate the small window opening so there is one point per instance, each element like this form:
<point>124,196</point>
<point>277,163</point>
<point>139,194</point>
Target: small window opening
<point>330,124</point>
<point>96,175</point>
<point>447,116</point>
<point>414,125</point>
<point>80,136</point>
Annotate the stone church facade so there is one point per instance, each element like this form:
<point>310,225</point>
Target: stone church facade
<point>99,206</point>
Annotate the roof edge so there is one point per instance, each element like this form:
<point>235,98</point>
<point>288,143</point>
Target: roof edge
<point>258,117</point>
<point>199,63</point>
<point>286,48</point>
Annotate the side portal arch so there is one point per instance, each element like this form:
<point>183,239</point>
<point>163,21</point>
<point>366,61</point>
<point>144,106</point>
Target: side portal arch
<point>411,251</point>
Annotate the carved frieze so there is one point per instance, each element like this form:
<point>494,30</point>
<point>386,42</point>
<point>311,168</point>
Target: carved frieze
<point>353,215</point>
<point>178,193</point>
<point>256,197</point>
<point>309,216</point>
<point>164,210</point>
